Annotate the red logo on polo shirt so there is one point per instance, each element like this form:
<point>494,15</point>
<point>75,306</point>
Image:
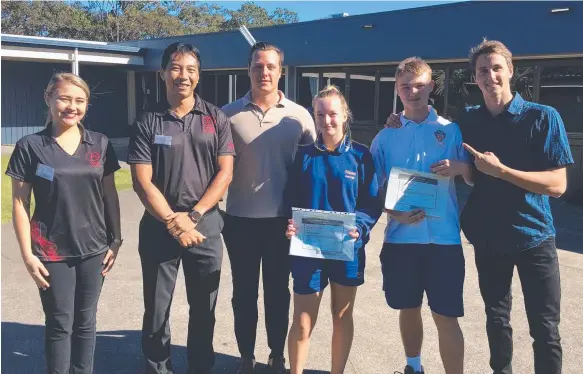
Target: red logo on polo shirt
<point>230,146</point>
<point>93,158</point>
<point>38,231</point>
<point>208,125</point>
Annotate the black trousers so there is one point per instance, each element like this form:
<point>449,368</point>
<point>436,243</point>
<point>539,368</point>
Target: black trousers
<point>251,243</point>
<point>70,306</point>
<point>161,256</point>
<point>538,269</point>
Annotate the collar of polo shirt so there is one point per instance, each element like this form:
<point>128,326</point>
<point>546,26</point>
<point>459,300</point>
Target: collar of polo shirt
<point>432,117</point>
<point>516,104</point>
<point>164,107</point>
<point>514,107</point>
<point>47,135</point>
<point>283,101</point>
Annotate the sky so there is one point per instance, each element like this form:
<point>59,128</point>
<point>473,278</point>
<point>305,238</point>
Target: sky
<point>311,10</point>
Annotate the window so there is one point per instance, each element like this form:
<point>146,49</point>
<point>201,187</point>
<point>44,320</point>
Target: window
<point>336,79</point>
<point>562,88</point>
<point>209,88</point>
<point>523,82</point>
<point>436,98</point>
<point>281,84</point>
<point>307,89</point>
<point>386,96</point>
<point>362,97</point>
<point>222,90</point>
<point>243,85</point>
<point>463,92</point>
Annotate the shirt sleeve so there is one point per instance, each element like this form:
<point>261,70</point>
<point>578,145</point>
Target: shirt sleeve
<point>110,163</point>
<point>378,156</point>
<point>368,205</point>
<point>551,143</point>
<point>309,133</point>
<point>226,145</point>
<point>291,194</point>
<point>460,153</point>
<point>140,148</point>
<point>20,165</point>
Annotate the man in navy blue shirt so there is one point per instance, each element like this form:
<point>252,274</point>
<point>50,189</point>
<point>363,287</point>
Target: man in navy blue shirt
<point>521,153</point>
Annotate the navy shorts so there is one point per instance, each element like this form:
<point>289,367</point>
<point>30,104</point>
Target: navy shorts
<point>411,269</point>
<point>312,275</point>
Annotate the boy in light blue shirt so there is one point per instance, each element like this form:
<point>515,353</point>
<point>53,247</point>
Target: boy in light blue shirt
<point>423,254</point>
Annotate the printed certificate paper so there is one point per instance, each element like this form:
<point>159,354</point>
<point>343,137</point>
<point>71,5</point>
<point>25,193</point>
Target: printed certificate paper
<point>411,189</point>
<point>323,234</point>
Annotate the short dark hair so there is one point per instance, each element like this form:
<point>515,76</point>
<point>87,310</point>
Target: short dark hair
<point>180,48</point>
<point>263,46</point>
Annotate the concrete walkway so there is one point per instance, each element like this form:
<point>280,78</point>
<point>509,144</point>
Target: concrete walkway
<point>377,344</point>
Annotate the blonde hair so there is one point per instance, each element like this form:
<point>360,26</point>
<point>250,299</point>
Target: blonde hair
<point>487,47</point>
<point>334,91</point>
<point>64,78</point>
<point>414,65</point>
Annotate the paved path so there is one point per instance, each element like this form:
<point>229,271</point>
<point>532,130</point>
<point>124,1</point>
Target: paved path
<point>376,348</point>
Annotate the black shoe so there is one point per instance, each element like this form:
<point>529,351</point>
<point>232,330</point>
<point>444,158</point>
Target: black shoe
<point>276,365</point>
<point>247,366</point>
<point>409,370</point>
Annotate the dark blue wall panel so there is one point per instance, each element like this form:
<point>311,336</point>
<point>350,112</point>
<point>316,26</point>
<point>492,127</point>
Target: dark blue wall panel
<point>24,110</point>
<point>23,107</point>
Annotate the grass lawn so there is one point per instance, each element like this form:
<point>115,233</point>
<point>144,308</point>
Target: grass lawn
<point>123,181</point>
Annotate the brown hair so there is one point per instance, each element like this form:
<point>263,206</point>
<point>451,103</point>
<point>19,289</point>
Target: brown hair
<point>64,78</point>
<point>331,91</point>
<point>487,47</point>
<point>415,65</point>
<point>263,46</point>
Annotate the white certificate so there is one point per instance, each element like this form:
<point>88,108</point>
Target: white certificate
<point>323,234</point>
<point>411,189</point>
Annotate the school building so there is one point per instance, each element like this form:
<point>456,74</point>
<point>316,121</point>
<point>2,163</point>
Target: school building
<point>357,53</point>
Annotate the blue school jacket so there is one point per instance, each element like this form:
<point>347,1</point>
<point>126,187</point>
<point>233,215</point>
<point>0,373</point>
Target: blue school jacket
<point>342,180</point>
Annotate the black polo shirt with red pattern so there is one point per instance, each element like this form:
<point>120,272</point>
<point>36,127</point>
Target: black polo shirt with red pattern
<point>183,151</point>
<point>69,215</point>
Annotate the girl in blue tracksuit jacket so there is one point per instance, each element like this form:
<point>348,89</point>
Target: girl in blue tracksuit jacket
<point>333,174</point>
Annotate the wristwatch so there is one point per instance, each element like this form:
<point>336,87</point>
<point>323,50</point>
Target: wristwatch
<point>195,216</point>
<point>117,241</point>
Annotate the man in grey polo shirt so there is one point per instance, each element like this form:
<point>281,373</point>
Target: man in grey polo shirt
<point>267,129</point>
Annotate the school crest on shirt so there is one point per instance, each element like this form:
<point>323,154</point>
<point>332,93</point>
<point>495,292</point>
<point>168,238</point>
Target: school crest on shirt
<point>440,136</point>
<point>208,125</point>
<point>93,158</point>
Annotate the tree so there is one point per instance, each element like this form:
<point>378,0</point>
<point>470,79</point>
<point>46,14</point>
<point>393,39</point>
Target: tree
<point>201,18</point>
<point>115,20</point>
<point>282,16</point>
<point>45,18</point>
<point>253,15</point>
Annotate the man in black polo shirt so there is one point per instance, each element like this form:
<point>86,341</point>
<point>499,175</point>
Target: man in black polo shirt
<point>521,153</point>
<point>182,164</point>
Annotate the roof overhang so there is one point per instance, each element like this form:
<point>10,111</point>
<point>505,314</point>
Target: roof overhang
<point>30,53</point>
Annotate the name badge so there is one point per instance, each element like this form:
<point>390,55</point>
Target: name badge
<point>163,140</point>
<point>45,172</point>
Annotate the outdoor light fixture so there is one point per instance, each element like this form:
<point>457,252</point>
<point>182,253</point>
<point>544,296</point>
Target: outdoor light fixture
<point>369,26</point>
<point>560,10</point>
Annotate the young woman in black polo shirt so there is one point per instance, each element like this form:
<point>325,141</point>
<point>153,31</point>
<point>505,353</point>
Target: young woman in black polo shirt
<point>74,235</point>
